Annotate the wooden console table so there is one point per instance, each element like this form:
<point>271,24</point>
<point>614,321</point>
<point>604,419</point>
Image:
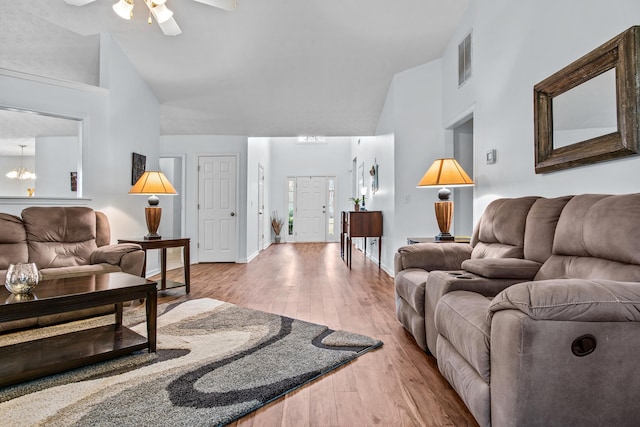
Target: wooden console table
<point>163,244</point>
<point>360,224</point>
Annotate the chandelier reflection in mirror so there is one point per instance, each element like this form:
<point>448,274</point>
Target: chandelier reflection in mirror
<point>21,173</point>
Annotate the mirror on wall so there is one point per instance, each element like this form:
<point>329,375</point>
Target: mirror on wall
<point>45,146</point>
<point>585,112</point>
<point>588,111</point>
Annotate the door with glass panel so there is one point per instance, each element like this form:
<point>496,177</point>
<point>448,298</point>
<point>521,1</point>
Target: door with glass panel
<point>312,216</point>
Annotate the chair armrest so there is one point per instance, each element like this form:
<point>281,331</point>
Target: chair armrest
<point>432,256</point>
<point>572,300</point>
<point>112,254</point>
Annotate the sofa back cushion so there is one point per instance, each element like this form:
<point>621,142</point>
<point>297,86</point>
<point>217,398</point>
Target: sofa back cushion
<point>500,231</point>
<point>13,241</point>
<point>103,230</point>
<point>60,236</point>
<point>540,228</point>
<point>597,237</point>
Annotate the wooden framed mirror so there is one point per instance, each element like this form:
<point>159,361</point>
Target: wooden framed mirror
<point>588,111</point>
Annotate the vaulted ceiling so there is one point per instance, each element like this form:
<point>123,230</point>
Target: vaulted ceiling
<point>270,68</point>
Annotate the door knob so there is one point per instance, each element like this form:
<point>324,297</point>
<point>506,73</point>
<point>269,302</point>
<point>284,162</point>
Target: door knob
<point>233,214</point>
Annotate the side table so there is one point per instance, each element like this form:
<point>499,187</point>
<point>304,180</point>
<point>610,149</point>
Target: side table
<point>457,239</point>
<point>163,244</point>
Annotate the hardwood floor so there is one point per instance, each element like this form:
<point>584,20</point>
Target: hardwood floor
<point>395,385</point>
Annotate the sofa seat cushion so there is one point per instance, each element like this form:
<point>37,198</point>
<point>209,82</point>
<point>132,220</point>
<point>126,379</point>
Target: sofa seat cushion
<point>79,270</point>
<point>410,287</point>
<point>462,319</point>
<point>503,268</point>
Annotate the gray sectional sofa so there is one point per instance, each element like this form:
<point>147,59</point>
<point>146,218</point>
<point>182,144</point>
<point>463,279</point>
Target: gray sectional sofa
<point>536,322</point>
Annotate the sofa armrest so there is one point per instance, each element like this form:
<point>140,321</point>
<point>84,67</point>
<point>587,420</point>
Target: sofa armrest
<point>503,268</point>
<point>112,254</point>
<point>432,256</point>
<point>128,256</point>
<point>572,300</point>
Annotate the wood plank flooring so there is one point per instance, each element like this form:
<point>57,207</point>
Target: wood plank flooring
<point>395,385</point>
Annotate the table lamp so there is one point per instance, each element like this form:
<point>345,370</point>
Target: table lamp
<point>153,183</point>
<point>445,173</point>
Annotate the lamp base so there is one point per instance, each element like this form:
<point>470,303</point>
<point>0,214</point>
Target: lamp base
<point>444,215</point>
<point>152,214</point>
<point>445,237</point>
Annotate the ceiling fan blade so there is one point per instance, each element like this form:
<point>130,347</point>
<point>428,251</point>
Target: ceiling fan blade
<point>229,5</point>
<point>170,27</point>
<point>78,2</point>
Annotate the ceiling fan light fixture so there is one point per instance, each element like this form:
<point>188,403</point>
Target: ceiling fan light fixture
<point>124,9</point>
<point>162,13</point>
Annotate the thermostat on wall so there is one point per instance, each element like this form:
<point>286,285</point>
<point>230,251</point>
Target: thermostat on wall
<point>491,156</point>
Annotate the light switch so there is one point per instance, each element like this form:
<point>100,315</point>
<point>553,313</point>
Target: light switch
<point>491,156</point>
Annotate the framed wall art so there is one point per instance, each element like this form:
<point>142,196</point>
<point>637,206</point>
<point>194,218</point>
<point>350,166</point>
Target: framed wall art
<point>374,177</point>
<point>139,165</point>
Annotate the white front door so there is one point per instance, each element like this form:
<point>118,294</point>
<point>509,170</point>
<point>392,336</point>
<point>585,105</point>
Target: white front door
<point>310,209</point>
<point>217,215</point>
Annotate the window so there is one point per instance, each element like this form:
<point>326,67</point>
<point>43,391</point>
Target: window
<point>291,194</point>
<point>331,201</point>
<point>464,60</point>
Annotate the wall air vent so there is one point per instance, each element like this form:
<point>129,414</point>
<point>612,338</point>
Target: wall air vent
<point>464,60</point>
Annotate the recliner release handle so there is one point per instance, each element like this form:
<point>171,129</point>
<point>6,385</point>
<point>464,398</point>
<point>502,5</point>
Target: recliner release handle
<point>584,345</point>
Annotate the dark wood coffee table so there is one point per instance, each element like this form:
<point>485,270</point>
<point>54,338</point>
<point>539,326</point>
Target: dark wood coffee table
<point>28,360</point>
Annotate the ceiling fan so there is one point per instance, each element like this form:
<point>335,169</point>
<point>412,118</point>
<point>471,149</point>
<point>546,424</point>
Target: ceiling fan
<point>158,10</point>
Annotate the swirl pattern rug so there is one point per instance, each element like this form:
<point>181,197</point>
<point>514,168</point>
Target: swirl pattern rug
<point>215,363</point>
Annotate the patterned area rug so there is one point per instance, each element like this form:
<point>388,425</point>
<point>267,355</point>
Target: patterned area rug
<point>215,363</point>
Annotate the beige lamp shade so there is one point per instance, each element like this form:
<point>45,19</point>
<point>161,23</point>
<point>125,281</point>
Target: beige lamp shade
<point>153,183</point>
<point>445,173</point>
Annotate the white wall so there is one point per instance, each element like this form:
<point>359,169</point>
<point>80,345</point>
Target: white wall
<point>289,158</point>
<point>371,150</point>
<point>117,119</point>
<point>84,102</point>
<point>410,137</point>
<point>134,126</point>
<point>192,146</point>
<point>53,177</point>
<point>515,46</point>
<point>259,153</point>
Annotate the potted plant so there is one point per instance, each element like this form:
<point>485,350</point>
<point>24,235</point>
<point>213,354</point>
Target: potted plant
<point>276,225</point>
<point>356,202</point>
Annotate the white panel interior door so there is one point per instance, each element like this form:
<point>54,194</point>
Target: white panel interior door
<point>217,219</point>
<point>310,209</point>
<point>261,217</point>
